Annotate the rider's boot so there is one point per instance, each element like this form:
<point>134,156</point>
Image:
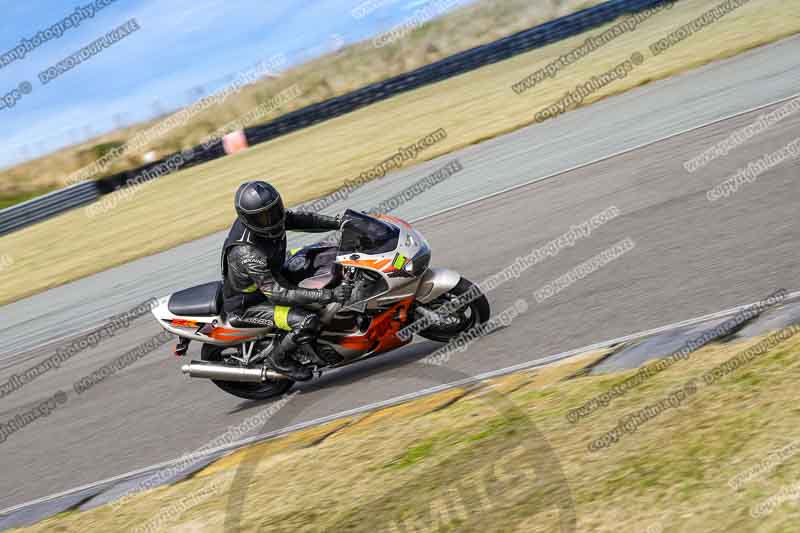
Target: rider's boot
<point>281,360</point>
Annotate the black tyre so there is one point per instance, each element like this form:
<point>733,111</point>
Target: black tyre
<point>248,391</point>
<point>467,316</point>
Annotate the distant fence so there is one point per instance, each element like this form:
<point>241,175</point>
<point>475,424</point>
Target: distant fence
<point>33,211</point>
<point>26,213</point>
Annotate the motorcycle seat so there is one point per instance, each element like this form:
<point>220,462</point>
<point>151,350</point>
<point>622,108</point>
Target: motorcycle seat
<point>201,300</point>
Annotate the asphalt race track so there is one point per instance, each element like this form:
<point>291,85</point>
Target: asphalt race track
<point>692,257</point>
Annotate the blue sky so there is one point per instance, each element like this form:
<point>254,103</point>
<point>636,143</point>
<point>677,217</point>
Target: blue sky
<point>181,44</point>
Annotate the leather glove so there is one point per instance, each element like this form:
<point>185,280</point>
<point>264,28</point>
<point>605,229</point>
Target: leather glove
<point>342,293</point>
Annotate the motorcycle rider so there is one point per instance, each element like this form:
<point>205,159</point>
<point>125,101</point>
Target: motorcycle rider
<point>255,293</point>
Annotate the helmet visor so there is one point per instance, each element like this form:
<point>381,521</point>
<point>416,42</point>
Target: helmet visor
<point>270,217</point>
<point>265,218</point>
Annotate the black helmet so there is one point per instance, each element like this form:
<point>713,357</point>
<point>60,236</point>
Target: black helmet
<point>260,208</point>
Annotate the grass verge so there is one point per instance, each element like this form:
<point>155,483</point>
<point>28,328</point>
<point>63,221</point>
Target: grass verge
<point>307,164</point>
<point>402,465</point>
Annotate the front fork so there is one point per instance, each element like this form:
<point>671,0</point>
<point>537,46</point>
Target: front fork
<point>427,316</point>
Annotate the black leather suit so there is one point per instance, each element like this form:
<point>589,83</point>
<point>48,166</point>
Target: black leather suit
<point>255,292</point>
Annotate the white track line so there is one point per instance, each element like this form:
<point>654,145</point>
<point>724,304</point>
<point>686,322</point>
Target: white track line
<point>544,361</point>
<point>604,158</point>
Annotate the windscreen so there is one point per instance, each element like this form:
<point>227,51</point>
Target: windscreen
<point>366,235</point>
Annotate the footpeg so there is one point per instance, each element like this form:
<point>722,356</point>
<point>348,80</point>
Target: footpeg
<point>182,347</point>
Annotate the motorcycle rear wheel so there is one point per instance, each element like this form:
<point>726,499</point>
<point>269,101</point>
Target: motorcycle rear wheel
<point>468,316</point>
<point>248,391</point>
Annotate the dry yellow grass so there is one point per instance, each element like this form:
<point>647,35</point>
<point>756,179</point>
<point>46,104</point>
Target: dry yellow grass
<point>309,163</point>
<point>671,474</point>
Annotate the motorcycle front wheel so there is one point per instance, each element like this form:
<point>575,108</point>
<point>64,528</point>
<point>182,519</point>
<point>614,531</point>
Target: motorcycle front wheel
<point>248,391</point>
<point>467,316</point>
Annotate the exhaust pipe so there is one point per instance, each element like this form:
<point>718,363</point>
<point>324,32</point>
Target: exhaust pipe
<point>207,370</point>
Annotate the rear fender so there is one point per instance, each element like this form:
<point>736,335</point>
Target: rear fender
<point>217,331</point>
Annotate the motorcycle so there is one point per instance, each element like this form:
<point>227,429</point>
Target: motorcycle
<point>387,263</point>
